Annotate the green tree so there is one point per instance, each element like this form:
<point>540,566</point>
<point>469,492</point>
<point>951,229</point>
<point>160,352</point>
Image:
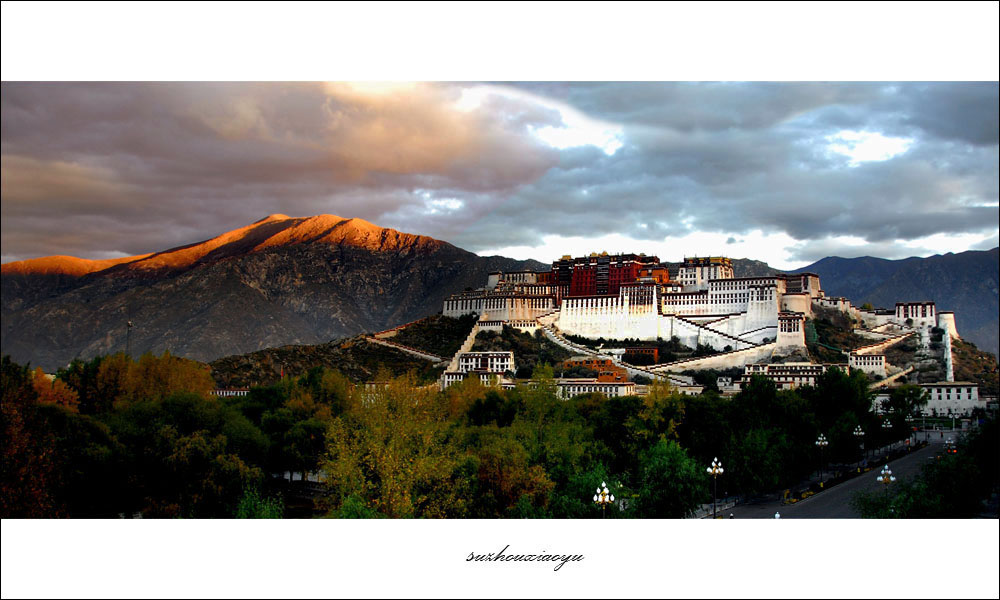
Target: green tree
<point>253,505</point>
<point>671,484</point>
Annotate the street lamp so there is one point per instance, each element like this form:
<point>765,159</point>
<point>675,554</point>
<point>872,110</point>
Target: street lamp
<point>821,443</point>
<point>715,470</point>
<point>859,434</point>
<point>885,478</point>
<point>603,498</point>
<point>887,428</point>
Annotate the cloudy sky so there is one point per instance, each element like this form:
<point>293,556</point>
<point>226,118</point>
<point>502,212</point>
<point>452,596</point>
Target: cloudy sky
<point>782,172</point>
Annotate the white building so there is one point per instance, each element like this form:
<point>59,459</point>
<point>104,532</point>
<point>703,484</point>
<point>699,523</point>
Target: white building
<point>952,397</point>
<point>789,375</point>
<point>489,362</point>
<point>567,388</point>
<point>696,272</point>
<point>872,364</point>
<point>916,314</point>
<point>489,367</point>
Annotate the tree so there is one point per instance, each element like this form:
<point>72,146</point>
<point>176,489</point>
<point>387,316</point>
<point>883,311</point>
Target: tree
<point>906,401</point>
<point>54,391</point>
<point>671,483</point>
<point>27,465</point>
<point>179,459</point>
<point>255,506</point>
<point>395,453</point>
<point>661,413</point>
<point>506,477</point>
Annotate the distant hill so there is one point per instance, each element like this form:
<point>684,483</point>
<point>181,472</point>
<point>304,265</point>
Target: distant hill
<point>745,267</point>
<point>966,283</point>
<point>276,282</point>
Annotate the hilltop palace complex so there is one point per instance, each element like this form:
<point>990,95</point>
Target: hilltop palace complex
<point>757,323</point>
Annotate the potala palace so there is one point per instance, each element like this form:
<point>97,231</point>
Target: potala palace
<point>753,322</point>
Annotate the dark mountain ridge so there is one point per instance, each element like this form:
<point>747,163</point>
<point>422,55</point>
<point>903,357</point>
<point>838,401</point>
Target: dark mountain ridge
<point>278,281</point>
<point>966,283</point>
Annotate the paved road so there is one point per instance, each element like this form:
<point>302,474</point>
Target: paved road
<point>835,503</point>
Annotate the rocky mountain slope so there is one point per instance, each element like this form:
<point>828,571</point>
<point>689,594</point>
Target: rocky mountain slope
<point>966,283</point>
<point>278,281</point>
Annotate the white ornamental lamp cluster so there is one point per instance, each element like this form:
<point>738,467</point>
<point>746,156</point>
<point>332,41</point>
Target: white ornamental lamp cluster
<point>821,443</point>
<point>886,477</point>
<point>715,470</point>
<point>860,435</point>
<point>603,497</point>
<point>887,426</point>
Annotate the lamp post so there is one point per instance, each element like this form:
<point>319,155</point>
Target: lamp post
<point>715,470</point>
<point>859,434</point>
<point>885,478</point>
<point>821,443</point>
<point>887,428</point>
<point>603,498</point>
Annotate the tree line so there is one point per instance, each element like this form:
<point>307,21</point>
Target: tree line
<point>116,435</point>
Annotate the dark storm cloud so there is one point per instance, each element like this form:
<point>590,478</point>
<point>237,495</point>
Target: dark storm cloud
<point>97,169</point>
<point>732,158</point>
<point>199,159</point>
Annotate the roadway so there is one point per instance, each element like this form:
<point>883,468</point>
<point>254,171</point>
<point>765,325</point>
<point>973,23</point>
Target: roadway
<point>835,502</point>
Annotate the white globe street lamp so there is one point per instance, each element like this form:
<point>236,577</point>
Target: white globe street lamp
<point>715,470</point>
<point>885,478</point>
<point>821,443</point>
<point>603,498</point>
<point>859,434</point>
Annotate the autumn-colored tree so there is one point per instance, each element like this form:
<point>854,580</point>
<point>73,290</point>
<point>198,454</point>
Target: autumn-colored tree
<point>506,475</point>
<point>54,391</point>
<point>156,377</point>
<point>661,413</point>
<point>112,381</point>
<point>27,465</point>
<point>81,377</point>
<point>395,453</point>
<point>333,390</point>
<point>460,396</point>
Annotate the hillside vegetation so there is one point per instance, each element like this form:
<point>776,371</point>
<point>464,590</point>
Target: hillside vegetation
<point>972,364</point>
<point>436,334</point>
<point>357,358</point>
<point>529,350</point>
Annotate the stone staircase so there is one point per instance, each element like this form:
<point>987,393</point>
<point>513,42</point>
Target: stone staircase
<point>553,335</point>
<point>736,341</point>
<point>407,349</point>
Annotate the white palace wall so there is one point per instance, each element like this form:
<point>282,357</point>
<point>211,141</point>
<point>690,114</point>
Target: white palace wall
<point>727,360</point>
<point>499,307</point>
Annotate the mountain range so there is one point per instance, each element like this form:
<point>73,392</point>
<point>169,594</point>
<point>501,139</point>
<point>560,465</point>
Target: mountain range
<point>284,280</point>
<point>966,282</point>
<point>278,281</point>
